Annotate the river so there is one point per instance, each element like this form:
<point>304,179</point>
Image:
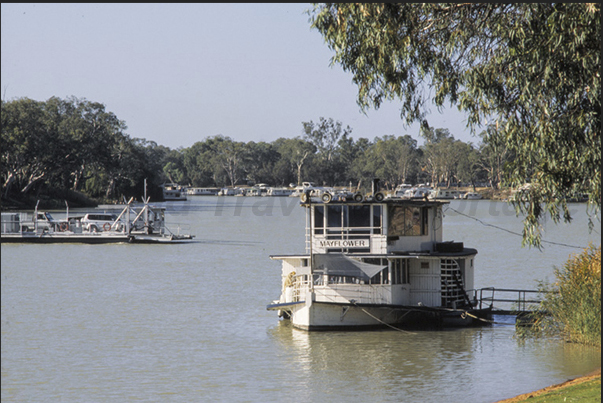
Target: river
<point>188,322</point>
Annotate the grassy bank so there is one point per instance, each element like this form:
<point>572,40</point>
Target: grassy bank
<point>584,389</point>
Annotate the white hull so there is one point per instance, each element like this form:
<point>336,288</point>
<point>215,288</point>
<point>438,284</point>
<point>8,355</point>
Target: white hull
<point>330,316</point>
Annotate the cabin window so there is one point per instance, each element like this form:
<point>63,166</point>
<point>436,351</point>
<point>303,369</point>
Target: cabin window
<point>400,271</point>
<point>347,216</point>
<point>319,219</point>
<point>347,221</point>
<point>376,219</point>
<point>360,216</point>
<point>407,221</point>
<point>334,216</point>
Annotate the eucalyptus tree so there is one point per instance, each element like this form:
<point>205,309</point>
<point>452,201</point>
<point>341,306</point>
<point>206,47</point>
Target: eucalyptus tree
<point>197,163</point>
<point>134,161</point>
<point>325,136</point>
<point>297,154</point>
<point>230,156</point>
<point>353,157</point>
<point>59,142</point>
<point>393,159</point>
<point>493,155</point>
<point>468,168</point>
<point>174,174</point>
<point>259,164</point>
<point>25,141</point>
<point>86,134</point>
<point>173,168</point>
<point>534,68</point>
<point>439,159</point>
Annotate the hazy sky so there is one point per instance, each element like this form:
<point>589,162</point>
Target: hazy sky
<point>178,73</point>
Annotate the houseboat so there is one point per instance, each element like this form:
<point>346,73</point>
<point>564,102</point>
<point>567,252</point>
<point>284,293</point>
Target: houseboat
<point>202,191</point>
<point>444,194</point>
<point>472,196</point>
<point>174,192</point>
<point>279,192</point>
<point>231,192</point>
<point>415,193</point>
<point>376,263</point>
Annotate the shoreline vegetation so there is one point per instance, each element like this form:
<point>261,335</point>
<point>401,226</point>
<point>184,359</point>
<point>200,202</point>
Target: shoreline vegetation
<point>571,309</point>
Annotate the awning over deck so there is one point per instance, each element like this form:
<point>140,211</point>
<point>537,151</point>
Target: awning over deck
<point>336,264</point>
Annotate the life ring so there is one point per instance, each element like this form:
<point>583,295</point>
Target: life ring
<point>106,226</point>
<point>64,226</point>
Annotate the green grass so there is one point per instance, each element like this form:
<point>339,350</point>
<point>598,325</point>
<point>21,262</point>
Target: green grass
<point>589,391</point>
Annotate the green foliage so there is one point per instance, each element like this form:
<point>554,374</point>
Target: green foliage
<point>587,391</point>
<point>392,159</point>
<point>533,68</point>
<point>77,145</point>
<point>325,136</point>
<point>71,144</point>
<point>296,155</point>
<point>572,306</point>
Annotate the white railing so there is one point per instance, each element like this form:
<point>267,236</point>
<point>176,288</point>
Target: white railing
<point>360,293</point>
<point>341,293</point>
<point>178,229</point>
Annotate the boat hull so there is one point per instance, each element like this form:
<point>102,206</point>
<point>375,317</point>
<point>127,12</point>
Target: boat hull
<point>64,238</point>
<point>339,316</point>
<point>91,238</point>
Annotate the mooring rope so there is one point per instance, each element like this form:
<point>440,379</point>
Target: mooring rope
<point>465,314</point>
<point>512,232</point>
<point>379,320</point>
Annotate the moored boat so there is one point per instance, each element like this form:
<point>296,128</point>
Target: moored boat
<point>279,192</point>
<point>191,191</point>
<point>377,263</point>
<point>472,196</point>
<point>174,192</point>
<point>444,194</point>
<point>414,193</point>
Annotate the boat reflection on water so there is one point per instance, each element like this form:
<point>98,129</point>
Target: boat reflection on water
<point>421,365</point>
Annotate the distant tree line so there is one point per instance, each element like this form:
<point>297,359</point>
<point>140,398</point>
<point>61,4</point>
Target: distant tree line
<point>78,145</point>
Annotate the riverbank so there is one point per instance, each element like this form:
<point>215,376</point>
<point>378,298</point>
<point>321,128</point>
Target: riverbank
<point>562,391</point>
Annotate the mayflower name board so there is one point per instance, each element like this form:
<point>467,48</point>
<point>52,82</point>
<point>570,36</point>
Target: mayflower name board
<point>345,243</point>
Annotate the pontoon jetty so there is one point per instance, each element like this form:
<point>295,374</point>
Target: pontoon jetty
<point>134,224</point>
